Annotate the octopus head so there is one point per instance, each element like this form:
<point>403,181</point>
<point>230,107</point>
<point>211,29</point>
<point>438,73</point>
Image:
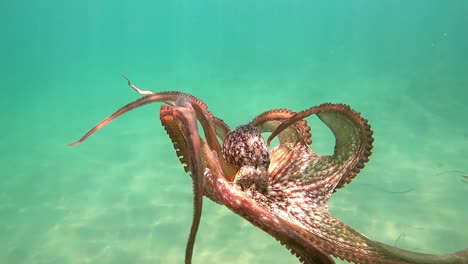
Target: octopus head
<point>245,148</point>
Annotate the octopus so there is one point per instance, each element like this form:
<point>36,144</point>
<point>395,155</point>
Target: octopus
<point>283,191</point>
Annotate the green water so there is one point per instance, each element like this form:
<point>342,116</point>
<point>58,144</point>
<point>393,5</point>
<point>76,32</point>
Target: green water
<point>122,197</point>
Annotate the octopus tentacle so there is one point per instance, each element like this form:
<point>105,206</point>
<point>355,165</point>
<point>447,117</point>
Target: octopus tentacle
<point>352,132</point>
<point>205,117</point>
<point>168,97</point>
<point>353,138</point>
<point>342,241</point>
<point>221,127</point>
<point>175,130</point>
<point>212,126</point>
<point>270,120</point>
<point>185,113</point>
<point>180,131</point>
<point>460,257</point>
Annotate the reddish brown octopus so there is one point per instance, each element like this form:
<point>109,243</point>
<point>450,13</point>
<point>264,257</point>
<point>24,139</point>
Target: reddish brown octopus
<point>285,191</point>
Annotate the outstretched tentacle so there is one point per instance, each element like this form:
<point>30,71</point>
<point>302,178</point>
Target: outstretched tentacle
<point>152,98</point>
<point>459,257</point>
<point>352,132</point>
<point>340,240</point>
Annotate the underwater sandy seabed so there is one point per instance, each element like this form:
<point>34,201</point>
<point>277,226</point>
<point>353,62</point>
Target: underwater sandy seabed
<point>122,196</point>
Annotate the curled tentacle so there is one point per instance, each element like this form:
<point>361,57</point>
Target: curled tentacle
<point>353,138</point>
<point>270,120</point>
<point>352,133</point>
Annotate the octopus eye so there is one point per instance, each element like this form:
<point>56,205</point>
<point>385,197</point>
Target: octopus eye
<point>244,146</point>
